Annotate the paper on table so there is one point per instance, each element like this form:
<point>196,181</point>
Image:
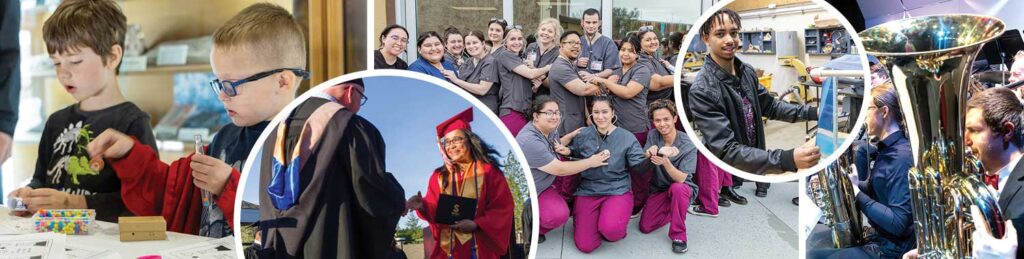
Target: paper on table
<point>214,249</point>
<point>75,251</point>
<point>17,226</point>
<point>39,245</point>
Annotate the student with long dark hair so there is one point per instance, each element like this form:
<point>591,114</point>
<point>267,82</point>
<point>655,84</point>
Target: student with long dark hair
<point>603,198</point>
<point>543,144</point>
<point>470,171</point>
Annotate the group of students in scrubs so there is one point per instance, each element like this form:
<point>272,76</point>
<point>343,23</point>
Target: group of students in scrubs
<point>594,116</point>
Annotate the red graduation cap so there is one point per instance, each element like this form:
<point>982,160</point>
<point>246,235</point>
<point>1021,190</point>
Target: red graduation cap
<point>457,122</point>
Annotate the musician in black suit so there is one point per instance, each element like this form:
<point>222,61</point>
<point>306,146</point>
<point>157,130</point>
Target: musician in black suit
<point>994,131</point>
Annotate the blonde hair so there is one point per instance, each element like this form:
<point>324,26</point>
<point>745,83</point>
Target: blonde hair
<point>558,30</point>
<point>504,40</point>
<point>268,32</point>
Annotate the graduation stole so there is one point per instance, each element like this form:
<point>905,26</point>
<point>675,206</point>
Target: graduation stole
<point>284,184</point>
<point>467,183</point>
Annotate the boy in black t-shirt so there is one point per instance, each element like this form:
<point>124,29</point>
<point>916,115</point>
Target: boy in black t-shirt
<point>85,40</point>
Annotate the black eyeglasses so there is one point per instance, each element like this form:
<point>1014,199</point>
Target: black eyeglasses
<point>453,141</point>
<point>362,97</point>
<point>496,19</point>
<point>517,27</point>
<point>230,88</point>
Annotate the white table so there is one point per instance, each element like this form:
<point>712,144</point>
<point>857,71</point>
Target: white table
<point>107,237</point>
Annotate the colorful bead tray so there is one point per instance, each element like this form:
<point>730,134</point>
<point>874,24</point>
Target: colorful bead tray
<point>65,221</point>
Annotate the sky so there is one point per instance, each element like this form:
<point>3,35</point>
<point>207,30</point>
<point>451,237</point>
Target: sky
<point>407,111</point>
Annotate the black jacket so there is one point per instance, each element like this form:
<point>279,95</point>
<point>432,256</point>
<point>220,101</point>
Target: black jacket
<point>1011,201</point>
<point>716,102</point>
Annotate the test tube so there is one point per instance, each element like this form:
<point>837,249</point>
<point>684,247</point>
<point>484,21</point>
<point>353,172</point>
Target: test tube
<point>199,150</point>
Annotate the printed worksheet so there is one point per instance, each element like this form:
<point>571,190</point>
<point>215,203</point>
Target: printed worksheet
<point>32,246</point>
<point>16,226</point>
<point>75,251</point>
<point>223,248</point>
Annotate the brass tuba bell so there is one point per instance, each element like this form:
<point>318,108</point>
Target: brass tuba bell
<point>929,59</point>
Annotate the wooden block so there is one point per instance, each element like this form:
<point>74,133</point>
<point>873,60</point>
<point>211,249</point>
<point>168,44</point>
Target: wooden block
<point>142,228</point>
<point>143,235</point>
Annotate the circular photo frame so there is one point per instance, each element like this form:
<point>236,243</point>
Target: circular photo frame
<point>837,150</point>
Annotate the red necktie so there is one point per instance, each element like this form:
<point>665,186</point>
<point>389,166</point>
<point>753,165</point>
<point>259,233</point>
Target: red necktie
<point>992,180</point>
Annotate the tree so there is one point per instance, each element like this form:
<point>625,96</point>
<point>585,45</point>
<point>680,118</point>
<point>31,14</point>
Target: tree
<point>411,229</point>
<point>516,178</point>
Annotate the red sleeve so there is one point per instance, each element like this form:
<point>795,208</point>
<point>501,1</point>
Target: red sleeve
<point>146,181</point>
<point>226,199</point>
<point>430,200</point>
<point>494,220</point>
<point>143,179</point>
<point>430,205</point>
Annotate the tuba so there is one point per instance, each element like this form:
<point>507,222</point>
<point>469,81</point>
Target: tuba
<point>929,59</point>
<point>835,198</point>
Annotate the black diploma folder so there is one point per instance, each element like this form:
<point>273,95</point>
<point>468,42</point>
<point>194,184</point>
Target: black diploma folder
<point>452,208</point>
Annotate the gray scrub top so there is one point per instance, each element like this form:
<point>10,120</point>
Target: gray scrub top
<point>539,152</point>
<point>657,68</point>
<point>603,54</point>
<point>542,59</point>
<point>461,62</point>
<point>485,70</point>
<point>516,90</point>
<point>611,179</point>
<point>573,106</point>
<point>632,112</point>
<point>685,161</point>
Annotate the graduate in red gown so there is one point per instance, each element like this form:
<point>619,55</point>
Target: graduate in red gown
<point>470,170</point>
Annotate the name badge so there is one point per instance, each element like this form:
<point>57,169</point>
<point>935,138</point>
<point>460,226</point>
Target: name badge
<point>596,65</point>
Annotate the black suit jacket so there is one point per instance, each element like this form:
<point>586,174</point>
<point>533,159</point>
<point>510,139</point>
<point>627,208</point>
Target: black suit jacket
<point>1011,201</point>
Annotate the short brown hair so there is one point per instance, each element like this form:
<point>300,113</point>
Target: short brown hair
<point>267,31</point>
<point>96,24</point>
<point>661,104</point>
<point>1001,105</point>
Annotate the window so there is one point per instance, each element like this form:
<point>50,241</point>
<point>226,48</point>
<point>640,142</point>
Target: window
<point>465,15</point>
<point>529,13</point>
<point>665,15</point>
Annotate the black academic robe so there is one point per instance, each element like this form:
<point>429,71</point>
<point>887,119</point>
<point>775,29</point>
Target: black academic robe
<point>348,206</point>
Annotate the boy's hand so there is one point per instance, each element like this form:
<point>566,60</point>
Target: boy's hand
<point>660,160</point>
<point>806,155</point>
<point>21,193</point>
<point>209,173</point>
<point>651,151</point>
<point>46,198</point>
<point>111,144</point>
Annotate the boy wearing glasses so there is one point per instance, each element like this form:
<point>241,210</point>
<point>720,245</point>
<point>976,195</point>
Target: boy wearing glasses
<point>258,57</point>
<point>85,40</point>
